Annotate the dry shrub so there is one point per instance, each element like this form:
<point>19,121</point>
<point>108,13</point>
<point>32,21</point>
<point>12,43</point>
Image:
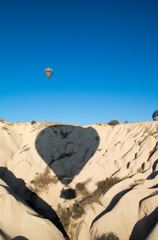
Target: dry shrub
<point>76,211</point>
<point>105,185</point>
<point>42,181</point>
<point>65,216</point>
<point>73,212</point>
<point>113,122</point>
<point>107,236</point>
<point>80,187</point>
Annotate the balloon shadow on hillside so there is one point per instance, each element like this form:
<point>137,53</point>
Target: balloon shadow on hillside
<point>66,149</point>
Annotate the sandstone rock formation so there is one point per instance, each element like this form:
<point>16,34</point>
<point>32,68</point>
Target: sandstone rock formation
<point>78,182</point>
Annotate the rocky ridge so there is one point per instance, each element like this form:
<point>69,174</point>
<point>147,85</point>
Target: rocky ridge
<point>62,181</point>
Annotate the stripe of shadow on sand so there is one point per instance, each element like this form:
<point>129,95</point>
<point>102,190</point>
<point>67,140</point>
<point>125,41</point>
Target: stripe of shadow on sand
<point>112,204</point>
<point>144,226</point>
<point>17,188</point>
<point>66,149</point>
<point>20,238</point>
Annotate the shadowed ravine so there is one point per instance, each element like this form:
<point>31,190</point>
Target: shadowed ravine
<point>32,199</point>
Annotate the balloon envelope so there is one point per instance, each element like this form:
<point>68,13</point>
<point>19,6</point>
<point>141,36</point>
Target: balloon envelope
<point>155,115</point>
<point>48,72</point>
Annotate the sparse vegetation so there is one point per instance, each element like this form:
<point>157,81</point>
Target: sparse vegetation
<point>107,236</point>
<point>105,185</point>
<point>42,181</point>
<point>33,122</point>
<point>73,212</point>
<point>64,215</point>
<point>77,210</point>
<point>113,122</point>
<point>4,128</point>
<point>81,189</point>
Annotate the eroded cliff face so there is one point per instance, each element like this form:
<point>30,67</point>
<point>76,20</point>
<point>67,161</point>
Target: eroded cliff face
<point>79,182</point>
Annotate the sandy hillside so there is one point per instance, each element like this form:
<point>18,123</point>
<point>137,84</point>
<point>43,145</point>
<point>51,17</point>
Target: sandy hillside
<point>62,181</point>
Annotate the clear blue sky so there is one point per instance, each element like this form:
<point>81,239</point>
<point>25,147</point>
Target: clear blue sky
<point>104,54</point>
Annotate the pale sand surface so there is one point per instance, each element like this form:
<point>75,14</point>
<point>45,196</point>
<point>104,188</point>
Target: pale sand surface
<point>42,163</point>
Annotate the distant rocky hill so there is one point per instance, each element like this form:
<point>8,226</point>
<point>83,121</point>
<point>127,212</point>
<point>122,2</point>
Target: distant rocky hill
<point>62,181</point>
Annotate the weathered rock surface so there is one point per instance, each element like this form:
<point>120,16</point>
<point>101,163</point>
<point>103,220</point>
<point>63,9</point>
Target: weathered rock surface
<point>96,179</point>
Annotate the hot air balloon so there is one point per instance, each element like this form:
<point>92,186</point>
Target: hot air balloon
<point>155,115</point>
<point>48,72</point>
